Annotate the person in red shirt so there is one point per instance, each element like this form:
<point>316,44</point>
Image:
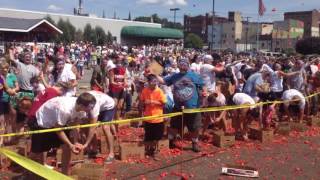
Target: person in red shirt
<point>118,82</point>
<point>40,99</point>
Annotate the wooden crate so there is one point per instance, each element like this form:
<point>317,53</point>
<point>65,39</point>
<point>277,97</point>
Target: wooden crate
<point>300,127</point>
<point>75,158</point>
<point>5,162</point>
<point>261,135</point>
<point>164,144</point>
<point>131,150</point>
<point>104,146</point>
<point>313,121</point>
<point>222,140</point>
<point>283,128</point>
<point>88,171</point>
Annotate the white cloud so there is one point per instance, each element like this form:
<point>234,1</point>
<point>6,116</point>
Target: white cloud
<point>164,2</point>
<point>53,7</point>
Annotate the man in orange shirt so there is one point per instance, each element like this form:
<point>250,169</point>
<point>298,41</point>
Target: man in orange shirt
<point>152,101</point>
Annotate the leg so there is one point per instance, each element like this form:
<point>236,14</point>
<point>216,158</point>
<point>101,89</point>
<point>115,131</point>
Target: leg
<point>110,139</point>
<point>66,159</point>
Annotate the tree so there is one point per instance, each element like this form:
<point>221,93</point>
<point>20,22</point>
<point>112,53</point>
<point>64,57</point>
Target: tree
<point>308,46</point>
<point>78,35</point>
<point>50,20</point>
<point>193,41</point>
<point>101,36</point>
<point>109,38</point>
<point>68,31</point>
<point>88,33</point>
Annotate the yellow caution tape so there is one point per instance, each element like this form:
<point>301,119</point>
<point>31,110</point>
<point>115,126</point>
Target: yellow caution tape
<point>51,174</point>
<point>91,125</point>
<point>187,111</point>
<point>34,166</point>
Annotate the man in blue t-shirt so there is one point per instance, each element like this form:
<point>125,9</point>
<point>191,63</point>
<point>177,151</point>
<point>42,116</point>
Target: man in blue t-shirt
<point>187,86</point>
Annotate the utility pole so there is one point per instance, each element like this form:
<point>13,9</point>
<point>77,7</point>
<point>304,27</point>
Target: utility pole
<point>213,14</point>
<point>247,30</point>
<point>174,14</point>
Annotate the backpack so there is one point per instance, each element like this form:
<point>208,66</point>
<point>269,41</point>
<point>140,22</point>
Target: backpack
<point>183,90</point>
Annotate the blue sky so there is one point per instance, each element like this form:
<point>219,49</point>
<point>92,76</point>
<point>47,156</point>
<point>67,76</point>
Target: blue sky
<point>161,7</point>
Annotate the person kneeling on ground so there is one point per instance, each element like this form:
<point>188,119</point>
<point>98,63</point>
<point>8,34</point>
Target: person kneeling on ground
<point>60,112</point>
<point>152,100</point>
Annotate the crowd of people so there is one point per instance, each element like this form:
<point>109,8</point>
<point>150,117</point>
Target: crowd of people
<point>38,89</point>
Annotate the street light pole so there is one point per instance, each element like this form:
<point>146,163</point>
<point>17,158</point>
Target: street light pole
<point>247,29</point>
<point>213,14</point>
<point>174,14</point>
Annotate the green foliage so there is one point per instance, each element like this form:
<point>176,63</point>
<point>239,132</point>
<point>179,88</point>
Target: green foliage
<point>88,33</point>
<point>101,36</point>
<point>97,35</point>
<point>109,38</point>
<point>193,41</point>
<point>50,20</point>
<point>308,46</point>
<point>68,31</point>
<point>79,35</point>
<point>156,19</point>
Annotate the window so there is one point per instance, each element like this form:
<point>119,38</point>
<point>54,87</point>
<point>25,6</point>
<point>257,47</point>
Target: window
<point>232,28</point>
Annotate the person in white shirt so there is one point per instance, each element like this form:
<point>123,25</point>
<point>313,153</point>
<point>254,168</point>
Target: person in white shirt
<point>243,116</point>
<point>294,102</point>
<point>195,66</point>
<point>60,112</point>
<point>104,111</point>
<point>208,73</point>
<point>63,72</point>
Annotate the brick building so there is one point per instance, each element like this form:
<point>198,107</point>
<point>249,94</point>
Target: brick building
<point>199,24</point>
<point>311,20</point>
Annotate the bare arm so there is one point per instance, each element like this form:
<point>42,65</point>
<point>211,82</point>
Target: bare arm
<point>281,73</point>
<point>92,131</point>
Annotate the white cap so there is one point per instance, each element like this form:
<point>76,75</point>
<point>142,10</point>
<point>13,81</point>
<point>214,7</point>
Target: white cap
<point>207,57</point>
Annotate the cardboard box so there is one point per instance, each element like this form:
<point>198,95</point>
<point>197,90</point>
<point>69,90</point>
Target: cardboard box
<point>313,121</point>
<point>283,128</point>
<point>222,140</point>
<point>300,127</point>
<point>132,150</point>
<point>88,171</point>
<point>75,158</point>
<point>261,135</point>
<point>104,148</point>
<point>164,144</point>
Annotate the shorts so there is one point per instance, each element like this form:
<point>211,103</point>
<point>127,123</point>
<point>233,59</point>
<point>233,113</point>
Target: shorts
<point>45,141</point>
<point>276,95</point>
<point>153,131</point>
<point>5,108</point>
<point>295,109</point>
<point>2,108</point>
<point>106,116</point>
<point>117,95</point>
<point>192,121</point>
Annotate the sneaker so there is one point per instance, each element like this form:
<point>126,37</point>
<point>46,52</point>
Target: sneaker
<point>109,160</point>
<point>195,147</point>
